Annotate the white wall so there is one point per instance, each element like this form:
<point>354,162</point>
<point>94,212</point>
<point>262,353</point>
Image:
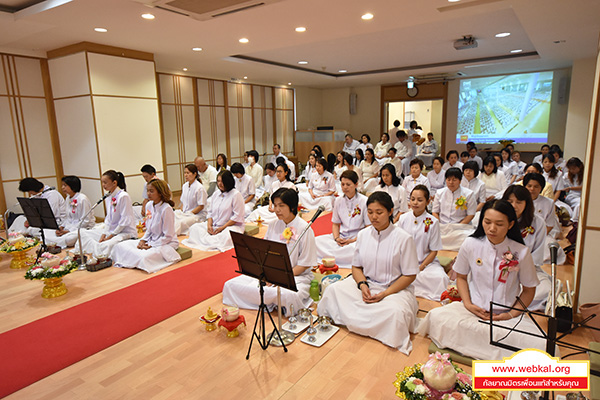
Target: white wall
<point>580,104</point>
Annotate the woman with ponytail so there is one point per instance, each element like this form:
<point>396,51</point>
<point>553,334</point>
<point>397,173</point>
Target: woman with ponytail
<point>119,223</point>
<point>157,249</point>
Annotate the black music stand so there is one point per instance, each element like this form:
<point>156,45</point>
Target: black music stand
<point>266,261</point>
<point>39,215</point>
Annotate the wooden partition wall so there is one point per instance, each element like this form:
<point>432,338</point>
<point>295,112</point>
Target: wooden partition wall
<point>208,116</point>
<point>28,140</point>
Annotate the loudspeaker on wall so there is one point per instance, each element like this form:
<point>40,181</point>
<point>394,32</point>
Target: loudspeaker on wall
<point>353,99</point>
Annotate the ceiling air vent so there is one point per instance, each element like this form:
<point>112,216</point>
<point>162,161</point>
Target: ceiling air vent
<point>204,10</point>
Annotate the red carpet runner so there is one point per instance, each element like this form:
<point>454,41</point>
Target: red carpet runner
<point>90,327</point>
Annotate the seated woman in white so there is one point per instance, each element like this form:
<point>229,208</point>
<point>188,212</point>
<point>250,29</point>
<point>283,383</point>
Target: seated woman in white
<point>415,178</point>
<point>245,185</point>
<point>392,159</point>
<point>472,182</point>
<point>193,201</point>
<point>321,189</point>
<point>552,175</point>
<point>348,162</point>
<point>369,168</point>
<point>382,148</point>
<point>452,161</point>
<point>267,213</point>
<point>390,183</point>
<point>533,232</point>
<point>437,177</point>
<point>428,150</point>
<point>225,214</point>
<point>572,184</point>
<point>221,164</point>
<point>37,189</point>
<point>157,248</point>
<point>243,290</point>
<point>492,265</point>
<point>544,207</point>
<point>77,207</point>
<point>454,206</point>
<point>508,166</point>
<point>119,223</point>
<point>268,179</point>
<point>254,170</point>
<point>378,300</point>
<point>338,169</point>
<point>493,179</point>
<point>311,167</point>
<point>432,280</point>
<point>348,218</point>
<point>365,142</point>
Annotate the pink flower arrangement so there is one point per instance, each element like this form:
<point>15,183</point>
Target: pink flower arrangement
<point>509,263</point>
<point>73,205</point>
<point>113,201</point>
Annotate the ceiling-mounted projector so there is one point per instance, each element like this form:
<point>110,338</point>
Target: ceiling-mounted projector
<point>467,42</point>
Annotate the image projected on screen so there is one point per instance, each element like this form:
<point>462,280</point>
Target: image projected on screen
<point>511,107</point>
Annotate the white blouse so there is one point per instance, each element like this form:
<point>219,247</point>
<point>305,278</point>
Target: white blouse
<point>494,183</point>
<point>305,254</point>
<point>160,225</point>
<point>268,182</point>
<point>192,196</point>
<point>447,165</point>
<point>369,170</point>
<point>409,183</point>
<point>227,206</point>
<point>544,207</point>
<point>385,256</point>
<point>119,214</point>
<point>509,168</point>
<point>322,184</point>
<point>382,149</point>
<point>480,259</point>
<point>277,184</point>
<point>425,230</point>
<point>245,185</point>
<point>477,186</point>
<point>445,205</point>
<point>57,203</point>
<point>534,237</point>
<point>338,171</point>
<point>398,195</point>
<point>75,209</point>
<point>556,182</point>
<point>256,173</point>
<point>436,181</point>
<point>351,214</point>
<point>308,171</point>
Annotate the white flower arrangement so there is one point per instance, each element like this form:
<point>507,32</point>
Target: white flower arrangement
<point>48,270</point>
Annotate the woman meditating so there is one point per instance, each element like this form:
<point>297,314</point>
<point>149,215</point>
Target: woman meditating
<point>245,185</point>
<point>267,213</point>
<point>243,290</point>
<point>349,217</point>
<point>157,248</point>
<point>492,265</point>
<point>77,205</point>
<point>432,280</point>
<point>390,183</point>
<point>369,168</point>
<point>119,223</point>
<point>378,299</point>
<point>226,214</point>
<point>321,188</point>
<point>193,201</point>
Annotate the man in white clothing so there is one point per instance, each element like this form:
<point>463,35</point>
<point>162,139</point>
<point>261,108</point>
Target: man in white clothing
<point>277,153</point>
<point>350,145</point>
<point>474,157</point>
<point>207,174</point>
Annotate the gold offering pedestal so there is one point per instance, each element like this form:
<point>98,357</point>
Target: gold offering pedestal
<point>53,287</point>
<point>20,259</point>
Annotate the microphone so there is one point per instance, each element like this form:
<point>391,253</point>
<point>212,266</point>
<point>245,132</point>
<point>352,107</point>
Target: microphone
<point>103,197</point>
<point>319,211</point>
<point>553,252</point>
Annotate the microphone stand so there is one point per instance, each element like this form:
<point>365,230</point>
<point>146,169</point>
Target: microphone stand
<point>82,259</point>
<point>288,337</point>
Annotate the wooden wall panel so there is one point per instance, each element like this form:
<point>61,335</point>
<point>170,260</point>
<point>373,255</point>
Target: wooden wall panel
<point>69,76</point>
<point>37,135</point>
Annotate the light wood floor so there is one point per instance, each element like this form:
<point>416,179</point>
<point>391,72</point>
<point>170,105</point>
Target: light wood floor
<point>179,359</point>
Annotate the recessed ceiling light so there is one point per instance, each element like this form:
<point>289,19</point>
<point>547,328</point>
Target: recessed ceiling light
<point>302,62</point>
<point>367,16</point>
<point>185,69</point>
<point>453,1</point>
<point>148,16</point>
<point>502,34</point>
<point>245,77</point>
<point>197,48</point>
<point>516,51</point>
<point>342,70</point>
<point>300,29</point>
<point>289,83</point>
<point>244,40</point>
<point>101,30</point>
